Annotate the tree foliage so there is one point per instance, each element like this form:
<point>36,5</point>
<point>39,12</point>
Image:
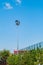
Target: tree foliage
<point>31,57</point>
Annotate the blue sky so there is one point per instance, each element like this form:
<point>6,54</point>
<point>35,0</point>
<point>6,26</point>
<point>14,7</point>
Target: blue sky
<point>30,15</point>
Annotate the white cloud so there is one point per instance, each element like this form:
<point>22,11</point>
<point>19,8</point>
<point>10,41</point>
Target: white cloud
<point>18,1</point>
<point>7,6</point>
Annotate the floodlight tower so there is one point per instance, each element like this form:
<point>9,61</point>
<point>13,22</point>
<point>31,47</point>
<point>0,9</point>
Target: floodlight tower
<point>17,24</point>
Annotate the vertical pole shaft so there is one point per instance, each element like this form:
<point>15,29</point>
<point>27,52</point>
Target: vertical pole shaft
<point>17,39</point>
<point>17,24</point>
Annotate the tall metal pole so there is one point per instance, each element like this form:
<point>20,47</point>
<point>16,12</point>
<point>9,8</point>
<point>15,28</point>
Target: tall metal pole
<point>17,24</point>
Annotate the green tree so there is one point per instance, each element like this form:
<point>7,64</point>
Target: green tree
<point>11,60</point>
<point>4,54</point>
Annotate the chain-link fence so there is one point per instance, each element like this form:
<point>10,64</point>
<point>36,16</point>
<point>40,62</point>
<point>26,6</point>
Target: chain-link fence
<point>35,46</point>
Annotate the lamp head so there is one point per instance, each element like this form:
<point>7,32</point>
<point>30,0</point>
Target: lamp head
<point>17,22</point>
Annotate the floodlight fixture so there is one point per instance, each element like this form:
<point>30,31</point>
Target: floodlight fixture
<point>17,22</point>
